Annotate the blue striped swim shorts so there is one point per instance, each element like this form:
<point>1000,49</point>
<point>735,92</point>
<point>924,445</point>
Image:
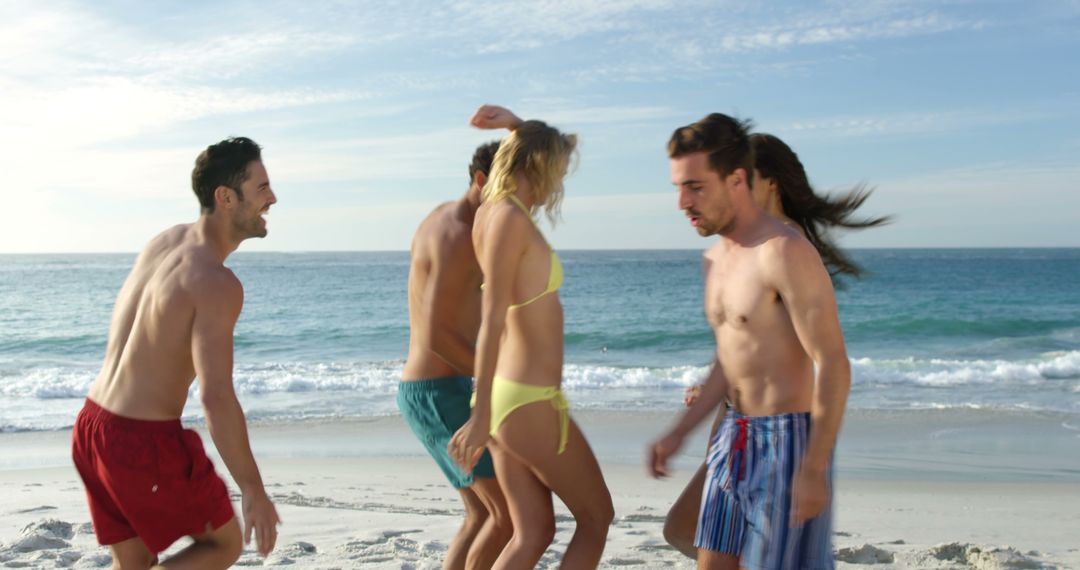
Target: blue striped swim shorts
<point>746,503</point>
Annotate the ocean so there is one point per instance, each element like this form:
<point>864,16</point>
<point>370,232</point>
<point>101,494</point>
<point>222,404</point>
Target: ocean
<point>324,335</point>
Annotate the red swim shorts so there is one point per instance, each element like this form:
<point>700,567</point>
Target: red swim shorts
<point>150,479</point>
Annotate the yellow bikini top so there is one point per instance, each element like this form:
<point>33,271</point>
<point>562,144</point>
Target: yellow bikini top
<point>555,275</point>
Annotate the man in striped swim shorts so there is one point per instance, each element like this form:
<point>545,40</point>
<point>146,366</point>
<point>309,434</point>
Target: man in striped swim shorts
<point>780,360</point>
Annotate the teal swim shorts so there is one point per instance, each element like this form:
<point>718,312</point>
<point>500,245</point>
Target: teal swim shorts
<point>435,409</point>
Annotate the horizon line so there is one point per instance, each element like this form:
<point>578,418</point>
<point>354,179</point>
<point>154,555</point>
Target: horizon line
<point>319,251</point>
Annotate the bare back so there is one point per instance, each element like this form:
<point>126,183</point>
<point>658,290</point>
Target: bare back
<point>444,296</point>
<point>148,366</point>
<point>767,369</point>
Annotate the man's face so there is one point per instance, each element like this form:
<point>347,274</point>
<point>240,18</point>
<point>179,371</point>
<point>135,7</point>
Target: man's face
<point>703,196</point>
<point>257,197</point>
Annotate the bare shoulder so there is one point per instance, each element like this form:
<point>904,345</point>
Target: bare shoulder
<point>502,218</point>
<point>788,255</point>
<point>212,285</point>
<point>443,234</point>
<point>163,243</point>
<point>169,238</point>
<point>713,253</point>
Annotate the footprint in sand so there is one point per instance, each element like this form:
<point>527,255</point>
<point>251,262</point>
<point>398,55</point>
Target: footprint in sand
<point>95,561</point>
<point>865,554</point>
<point>40,509</point>
<point>249,559</point>
<point>386,546</point>
<point>625,562</point>
<point>654,546</point>
<point>981,558</point>
<point>46,534</point>
<point>637,517</point>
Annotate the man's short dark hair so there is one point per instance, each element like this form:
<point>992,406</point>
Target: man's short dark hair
<point>481,159</point>
<point>222,164</point>
<point>725,139</point>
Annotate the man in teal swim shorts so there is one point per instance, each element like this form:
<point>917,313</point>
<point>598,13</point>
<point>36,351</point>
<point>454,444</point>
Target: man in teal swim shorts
<point>436,384</point>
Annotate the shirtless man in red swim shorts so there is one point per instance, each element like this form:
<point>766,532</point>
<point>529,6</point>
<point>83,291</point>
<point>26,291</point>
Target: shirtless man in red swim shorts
<point>148,480</point>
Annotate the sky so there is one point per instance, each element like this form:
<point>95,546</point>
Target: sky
<point>963,115</point>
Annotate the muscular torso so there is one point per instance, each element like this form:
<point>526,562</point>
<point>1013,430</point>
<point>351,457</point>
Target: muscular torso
<point>445,238</point>
<point>148,365</point>
<point>767,370</point>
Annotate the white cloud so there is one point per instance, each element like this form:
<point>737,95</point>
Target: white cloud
<point>103,111</point>
<point>914,122</point>
<point>522,26</point>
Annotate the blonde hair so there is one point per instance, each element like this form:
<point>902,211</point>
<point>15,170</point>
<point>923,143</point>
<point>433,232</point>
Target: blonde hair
<point>542,155</point>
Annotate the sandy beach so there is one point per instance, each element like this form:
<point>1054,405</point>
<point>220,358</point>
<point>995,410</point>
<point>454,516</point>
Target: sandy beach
<point>359,494</point>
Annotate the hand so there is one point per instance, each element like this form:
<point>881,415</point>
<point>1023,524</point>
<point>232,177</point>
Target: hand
<point>809,495</point>
<point>494,117</point>
<point>260,516</point>
<point>468,444</point>
<point>691,394</point>
<point>660,451</point>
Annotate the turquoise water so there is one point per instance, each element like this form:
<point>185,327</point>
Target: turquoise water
<point>325,334</point>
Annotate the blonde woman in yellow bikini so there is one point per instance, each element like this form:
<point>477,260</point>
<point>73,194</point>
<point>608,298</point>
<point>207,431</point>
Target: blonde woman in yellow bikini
<point>520,413</point>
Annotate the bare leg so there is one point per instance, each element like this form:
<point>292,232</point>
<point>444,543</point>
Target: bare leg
<point>131,554</point>
<point>681,522</point>
<point>709,560</point>
<point>475,515</point>
<point>531,435</point>
<point>497,528</point>
<point>215,549</point>
<point>529,503</point>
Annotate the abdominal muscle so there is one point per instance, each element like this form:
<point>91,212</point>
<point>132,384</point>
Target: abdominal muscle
<point>766,378</point>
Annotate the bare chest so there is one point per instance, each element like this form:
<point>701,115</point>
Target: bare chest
<point>738,296</point>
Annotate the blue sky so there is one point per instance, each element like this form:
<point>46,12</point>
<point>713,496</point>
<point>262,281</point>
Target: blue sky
<point>964,115</point>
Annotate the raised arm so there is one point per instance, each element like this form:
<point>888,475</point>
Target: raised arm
<point>218,300</point>
<point>494,117</point>
<point>499,252</point>
<point>441,308</point>
<point>806,289</point>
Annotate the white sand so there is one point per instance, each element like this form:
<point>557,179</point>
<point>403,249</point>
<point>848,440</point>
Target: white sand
<point>382,505</point>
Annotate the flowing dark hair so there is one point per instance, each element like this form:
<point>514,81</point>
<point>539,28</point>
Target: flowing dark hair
<point>815,214</point>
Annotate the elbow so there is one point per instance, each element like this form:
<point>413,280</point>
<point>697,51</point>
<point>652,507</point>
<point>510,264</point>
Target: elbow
<point>842,375</point>
<point>217,402</point>
<point>836,371</point>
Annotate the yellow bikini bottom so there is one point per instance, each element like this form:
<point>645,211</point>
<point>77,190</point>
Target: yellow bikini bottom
<point>507,396</point>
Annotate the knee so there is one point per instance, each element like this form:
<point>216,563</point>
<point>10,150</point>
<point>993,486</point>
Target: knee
<point>597,518</point>
<point>535,539</point>
<point>475,518</point>
<point>678,535</point>
<point>500,521</point>
<point>501,528</point>
<point>229,544</point>
<point>140,561</point>
<point>232,548</point>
